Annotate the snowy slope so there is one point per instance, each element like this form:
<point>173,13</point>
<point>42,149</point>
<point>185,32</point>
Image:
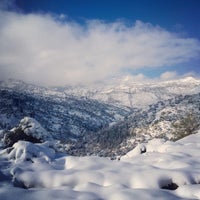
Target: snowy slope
<point>123,91</point>
<point>89,116</point>
<point>167,170</point>
<point>62,116</point>
<point>126,92</point>
<point>155,169</point>
<point>156,121</point>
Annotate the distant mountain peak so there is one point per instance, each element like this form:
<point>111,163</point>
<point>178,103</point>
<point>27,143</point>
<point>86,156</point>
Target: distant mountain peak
<point>189,79</point>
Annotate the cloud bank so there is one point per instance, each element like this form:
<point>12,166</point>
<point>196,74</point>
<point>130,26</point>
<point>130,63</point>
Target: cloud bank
<point>48,50</point>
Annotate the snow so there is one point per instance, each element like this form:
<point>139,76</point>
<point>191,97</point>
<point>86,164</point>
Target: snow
<point>125,91</point>
<point>32,127</point>
<point>37,172</point>
<point>23,151</point>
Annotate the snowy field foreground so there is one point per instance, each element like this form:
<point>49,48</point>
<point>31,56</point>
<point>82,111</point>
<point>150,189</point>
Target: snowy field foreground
<point>167,170</point>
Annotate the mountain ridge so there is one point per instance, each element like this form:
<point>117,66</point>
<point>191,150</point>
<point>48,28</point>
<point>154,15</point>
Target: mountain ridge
<point>135,94</point>
<point>117,91</point>
<point>89,119</point>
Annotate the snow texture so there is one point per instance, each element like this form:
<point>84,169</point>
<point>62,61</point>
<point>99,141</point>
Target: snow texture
<point>33,128</point>
<point>156,170</point>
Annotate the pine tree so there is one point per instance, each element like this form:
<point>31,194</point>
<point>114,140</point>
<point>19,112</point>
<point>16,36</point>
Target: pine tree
<point>186,126</point>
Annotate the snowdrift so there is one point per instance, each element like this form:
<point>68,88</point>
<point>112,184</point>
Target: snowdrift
<point>156,170</point>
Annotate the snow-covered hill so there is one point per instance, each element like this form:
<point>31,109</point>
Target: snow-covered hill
<point>170,119</point>
<point>125,120</point>
<point>106,119</point>
<point>165,170</point>
<point>63,116</point>
<point>126,92</point>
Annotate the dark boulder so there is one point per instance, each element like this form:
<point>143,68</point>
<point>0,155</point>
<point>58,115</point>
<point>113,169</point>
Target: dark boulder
<point>28,130</point>
<point>17,134</point>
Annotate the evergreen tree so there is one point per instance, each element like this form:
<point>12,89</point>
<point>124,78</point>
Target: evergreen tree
<point>186,126</point>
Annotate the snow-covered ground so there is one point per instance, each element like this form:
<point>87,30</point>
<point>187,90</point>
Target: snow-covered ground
<point>36,171</point>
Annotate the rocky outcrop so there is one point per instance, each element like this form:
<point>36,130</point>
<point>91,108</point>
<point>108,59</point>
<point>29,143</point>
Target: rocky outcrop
<point>28,130</point>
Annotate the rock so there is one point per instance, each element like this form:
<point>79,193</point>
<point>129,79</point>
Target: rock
<point>28,130</point>
<point>12,137</point>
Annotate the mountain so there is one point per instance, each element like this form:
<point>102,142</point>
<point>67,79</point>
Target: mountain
<point>63,116</point>
<point>126,92</point>
<point>170,119</point>
<point>106,119</point>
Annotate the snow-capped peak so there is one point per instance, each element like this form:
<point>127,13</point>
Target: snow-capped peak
<point>190,79</point>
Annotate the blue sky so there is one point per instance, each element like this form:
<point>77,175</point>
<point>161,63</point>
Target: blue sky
<point>174,15</point>
<point>100,38</point>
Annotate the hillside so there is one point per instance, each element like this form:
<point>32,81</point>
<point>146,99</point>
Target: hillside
<point>170,119</point>
<point>94,125</point>
<point>125,91</point>
<point>63,116</point>
<point>58,145</point>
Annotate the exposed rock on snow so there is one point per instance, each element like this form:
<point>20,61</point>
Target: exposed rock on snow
<point>32,127</point>
<point>29,130</point>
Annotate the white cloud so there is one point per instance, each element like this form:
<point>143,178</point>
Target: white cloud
<point>169,75</point>
<point>43,49</point>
